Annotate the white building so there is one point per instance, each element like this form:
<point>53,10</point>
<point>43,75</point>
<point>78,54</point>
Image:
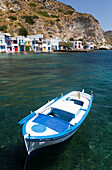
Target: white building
<point>8,42</point>
<point>21,43</point>
<point>36,42</point>
<point>77,45</point>
<point>46,45</point>
<point>90,45</point>
<point>32,42</point>
<point>28,44</point>
<point>55,44</point>
<point>14,44</point>
<point>2,43</point>
<point>49,45</point>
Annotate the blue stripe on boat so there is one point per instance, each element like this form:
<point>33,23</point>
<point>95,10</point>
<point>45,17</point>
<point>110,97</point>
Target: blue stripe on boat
<point>52,123</point>
<point>27,118</point>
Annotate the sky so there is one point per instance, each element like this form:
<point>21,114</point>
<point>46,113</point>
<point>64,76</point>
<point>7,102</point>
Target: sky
<point>100,9</point>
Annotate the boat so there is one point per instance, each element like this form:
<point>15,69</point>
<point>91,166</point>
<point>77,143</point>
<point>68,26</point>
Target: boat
<point>56,121</point>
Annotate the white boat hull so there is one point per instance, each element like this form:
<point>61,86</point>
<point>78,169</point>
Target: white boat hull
<point>35,145</point>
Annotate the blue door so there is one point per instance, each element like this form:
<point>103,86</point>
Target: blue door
<point>49,48</point>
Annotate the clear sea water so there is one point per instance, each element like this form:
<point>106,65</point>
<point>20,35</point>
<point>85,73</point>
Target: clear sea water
<point>29,81</point>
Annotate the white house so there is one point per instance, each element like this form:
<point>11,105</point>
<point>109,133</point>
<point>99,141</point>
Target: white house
<point>28,44</point>
<point>77,45</point>
<point>36,42</point>
<point>8,42</point>
<point>21,43</point>
<point>14,44</point>
<point>46,45</point>
<point>2,43</point>
<point>90,45</point>
<point>55,44</point>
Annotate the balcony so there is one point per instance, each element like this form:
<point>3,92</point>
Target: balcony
<point>2,44</point>
<point>21,43</point>
<point>9,44</point>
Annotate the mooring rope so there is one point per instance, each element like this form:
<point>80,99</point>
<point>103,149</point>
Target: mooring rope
<point>25,162</point>
<point>27,154</point>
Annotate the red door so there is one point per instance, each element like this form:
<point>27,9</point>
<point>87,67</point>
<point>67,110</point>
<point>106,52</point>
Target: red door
<point>16,48</point>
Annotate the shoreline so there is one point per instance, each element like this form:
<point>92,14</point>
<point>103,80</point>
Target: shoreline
<point>54,51</point>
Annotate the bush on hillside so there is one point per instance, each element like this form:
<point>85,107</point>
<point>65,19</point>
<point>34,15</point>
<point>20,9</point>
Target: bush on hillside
<point>58,19</point>
<point>12,18</point>
<point>41,7</point>
<point>28,19</point>
<point>35,17</point>
<point>20,24</point>
<point>12,11</point>
<point>54,16</point>
<point>3,28</point>
<point>43,13</point>
<point>32,4</point>
<point>70,12</point>
<point>23,31</point>
<point>60,10</point>
<point>52,23</point>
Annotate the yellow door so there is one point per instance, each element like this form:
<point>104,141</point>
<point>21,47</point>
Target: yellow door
<point>44,49</point>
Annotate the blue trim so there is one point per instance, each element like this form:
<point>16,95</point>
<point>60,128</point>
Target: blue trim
<point>27,118</point>
<point>62,134</point>
<point>83,109</point>
<point>24,129</point>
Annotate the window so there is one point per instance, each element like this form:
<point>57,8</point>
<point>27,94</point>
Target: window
<point>48,43</point>
<point>2,47</point>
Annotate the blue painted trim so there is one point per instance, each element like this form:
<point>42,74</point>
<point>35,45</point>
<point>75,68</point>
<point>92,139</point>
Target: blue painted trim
<point>24,129</point>
<point>27,118</point>
<point>62,134</point>
<point>83,109</point>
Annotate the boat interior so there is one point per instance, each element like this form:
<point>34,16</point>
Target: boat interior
<point>60,116</point>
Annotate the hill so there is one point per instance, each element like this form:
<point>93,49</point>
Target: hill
<point>50,18</point>
<point>109,35</point>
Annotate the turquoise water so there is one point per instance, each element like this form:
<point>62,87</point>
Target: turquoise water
<point>29,81</point>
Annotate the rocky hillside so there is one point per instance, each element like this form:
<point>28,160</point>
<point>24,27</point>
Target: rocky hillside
<point>109,35</point>
<point>50,18</point>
